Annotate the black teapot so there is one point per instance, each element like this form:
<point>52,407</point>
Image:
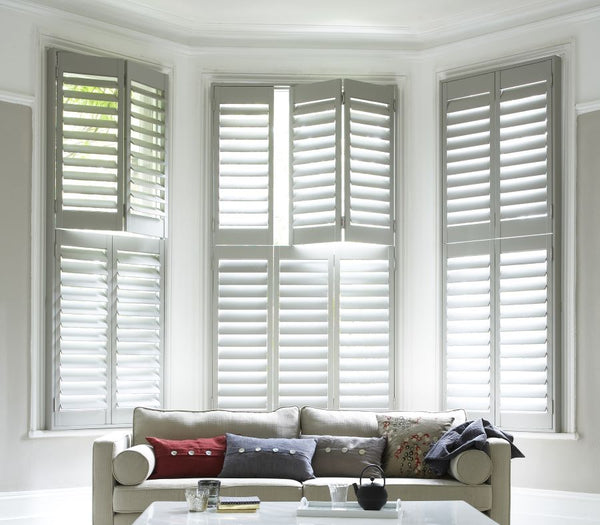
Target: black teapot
<point>373,496</point>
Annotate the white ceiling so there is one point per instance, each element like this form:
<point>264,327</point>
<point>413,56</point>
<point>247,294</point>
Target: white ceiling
<point>400,23</point>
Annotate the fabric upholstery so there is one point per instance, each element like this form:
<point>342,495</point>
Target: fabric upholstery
<point>248,457</point>
<point>133,465</point>
<point>182,424</point>
<point>472,467</point>
<point>188,458</point>
<point>346,455</point>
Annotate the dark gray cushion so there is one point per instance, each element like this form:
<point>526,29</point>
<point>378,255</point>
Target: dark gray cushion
<point>346,455</point>
<point>249,457</point>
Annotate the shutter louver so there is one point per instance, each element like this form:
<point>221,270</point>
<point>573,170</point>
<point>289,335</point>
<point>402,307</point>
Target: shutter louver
<point>316,165</point>
<point>524,332</point>
<point>82,330</point>
<point>364,333</point>
<point>369,166</point>
<point>244,165</point>
<point>138,343</point>
<point>524,150</point>
<point>467,163</point>
<point>146,155</point>
<point>303,335</point>
<point>89,142</point>
<point>243,313</point>
<point>469,328</point>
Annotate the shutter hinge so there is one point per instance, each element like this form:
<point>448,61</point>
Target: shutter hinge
<point>343,97</point>
<point>553,406</point>
<point>551,254</point>
<point>343,222</point>
<point>56,404</point>
<point>552,211</point>
<point>394,105</point>
<point>212,225</point>
<point>55,207</point>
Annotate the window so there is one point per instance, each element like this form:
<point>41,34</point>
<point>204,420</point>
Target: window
<point>105,229</point>
<point>500,137</point>
<point>303,312</point>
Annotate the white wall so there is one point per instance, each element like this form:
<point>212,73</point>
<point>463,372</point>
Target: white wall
<point>43,462</point>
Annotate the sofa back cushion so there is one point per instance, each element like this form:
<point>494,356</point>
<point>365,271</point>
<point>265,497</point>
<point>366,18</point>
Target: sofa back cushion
<point>183,424</point>
<point>318,421</point>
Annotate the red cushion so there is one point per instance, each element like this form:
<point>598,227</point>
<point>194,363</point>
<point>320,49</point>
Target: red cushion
<point>188,458</point>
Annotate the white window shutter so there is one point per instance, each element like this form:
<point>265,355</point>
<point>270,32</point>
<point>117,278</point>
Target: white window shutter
<point>138,320</point>
<point>243,180</point>
<point>81,336</point>
<point>316,151</point>
<point>365,329</point>
<point>145,199</point>
<point>304,339</point>
<point>243,308</point>
<point>87,127</point>
<point>369,145</point>
<point>469,310</point>
<point>525,105</point>
<point>466,136</point>
<point>526,332</point>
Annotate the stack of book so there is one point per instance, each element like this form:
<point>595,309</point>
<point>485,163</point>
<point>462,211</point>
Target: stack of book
<point>238,504</point>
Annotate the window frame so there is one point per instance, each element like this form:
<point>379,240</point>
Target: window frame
<point>563,218</point>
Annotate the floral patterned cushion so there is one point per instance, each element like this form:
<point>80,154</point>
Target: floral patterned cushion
<point>408,441</point>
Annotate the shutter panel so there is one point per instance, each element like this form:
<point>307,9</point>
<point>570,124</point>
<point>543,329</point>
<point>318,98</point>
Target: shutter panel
<point>316,165</point>
<point>146,151</point>
<point>365,364</point>
<point>81,337</point>
<point>303,336</point>
<point>244,165</point>
<point>469,324</point>
<point>88,135</point>
<point>138,316</point>
<point>369,167</point>
<point>525,149</point>
<point>242,285</point>
<point>466,129</point>
<point>525,332</point>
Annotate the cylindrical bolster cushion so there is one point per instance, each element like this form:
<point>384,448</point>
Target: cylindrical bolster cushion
<point>472,467</point>
<point>134,465</point>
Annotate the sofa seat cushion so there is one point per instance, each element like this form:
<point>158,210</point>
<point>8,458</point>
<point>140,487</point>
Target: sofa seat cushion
<point>411,489</point>
<point>128,499</point>
<point>358,423</point>
<point>187,424</point>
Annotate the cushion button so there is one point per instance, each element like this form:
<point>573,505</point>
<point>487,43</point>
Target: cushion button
<point>173,452</point>
<point>209,452</point>
<point>275,449</point>
<point>344,450</point>
<point>362,451</point>
<point>328,449</point>
<point>292,452</point>
<point>190,452</point>
<point>241,450</point>
<point>257,449</point>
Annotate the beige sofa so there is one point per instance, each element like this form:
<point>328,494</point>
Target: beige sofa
<point>482,480</point>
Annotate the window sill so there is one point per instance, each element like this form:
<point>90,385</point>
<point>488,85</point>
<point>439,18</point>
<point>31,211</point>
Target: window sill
<point>548,436</point>
<point>73,433</point>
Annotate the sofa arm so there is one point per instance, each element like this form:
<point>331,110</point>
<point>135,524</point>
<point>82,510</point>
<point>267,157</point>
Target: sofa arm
<point>499,451</point>
<point>104,450</point>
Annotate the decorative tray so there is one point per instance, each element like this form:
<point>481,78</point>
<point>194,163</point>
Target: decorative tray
<point>351,509</point>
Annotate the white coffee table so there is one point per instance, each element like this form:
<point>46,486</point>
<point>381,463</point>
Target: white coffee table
<point>284,513</point>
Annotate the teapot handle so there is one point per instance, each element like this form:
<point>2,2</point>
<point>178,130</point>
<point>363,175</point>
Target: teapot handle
<point>372,465</point>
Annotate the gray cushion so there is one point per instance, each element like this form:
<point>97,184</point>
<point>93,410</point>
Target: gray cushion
<point>268,458</point>
<point>133,465</point>
<point>185,424</point>
<point>346,455</point>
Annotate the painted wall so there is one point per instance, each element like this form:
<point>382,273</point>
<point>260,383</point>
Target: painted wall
<point>29,463</point>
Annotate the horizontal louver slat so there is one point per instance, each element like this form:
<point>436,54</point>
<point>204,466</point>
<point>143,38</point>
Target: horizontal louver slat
<point>364,334</point>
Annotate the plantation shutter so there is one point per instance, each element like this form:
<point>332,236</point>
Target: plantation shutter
<point>146,151</point>
<point>243,305</point>
<point>81,334</point>
<point>303,335</point>
<point>86,128</point>
<point>525,342</point>
<point>369,167</point>
<point>365,284</point>
<point>316,187</point>
<point>500,163</point>
<point>137,269</point>
<point>469,323</point>
<point>243,165</point>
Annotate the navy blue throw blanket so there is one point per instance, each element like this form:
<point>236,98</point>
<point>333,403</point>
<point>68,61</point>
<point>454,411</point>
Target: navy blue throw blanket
<point>471,434</point>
